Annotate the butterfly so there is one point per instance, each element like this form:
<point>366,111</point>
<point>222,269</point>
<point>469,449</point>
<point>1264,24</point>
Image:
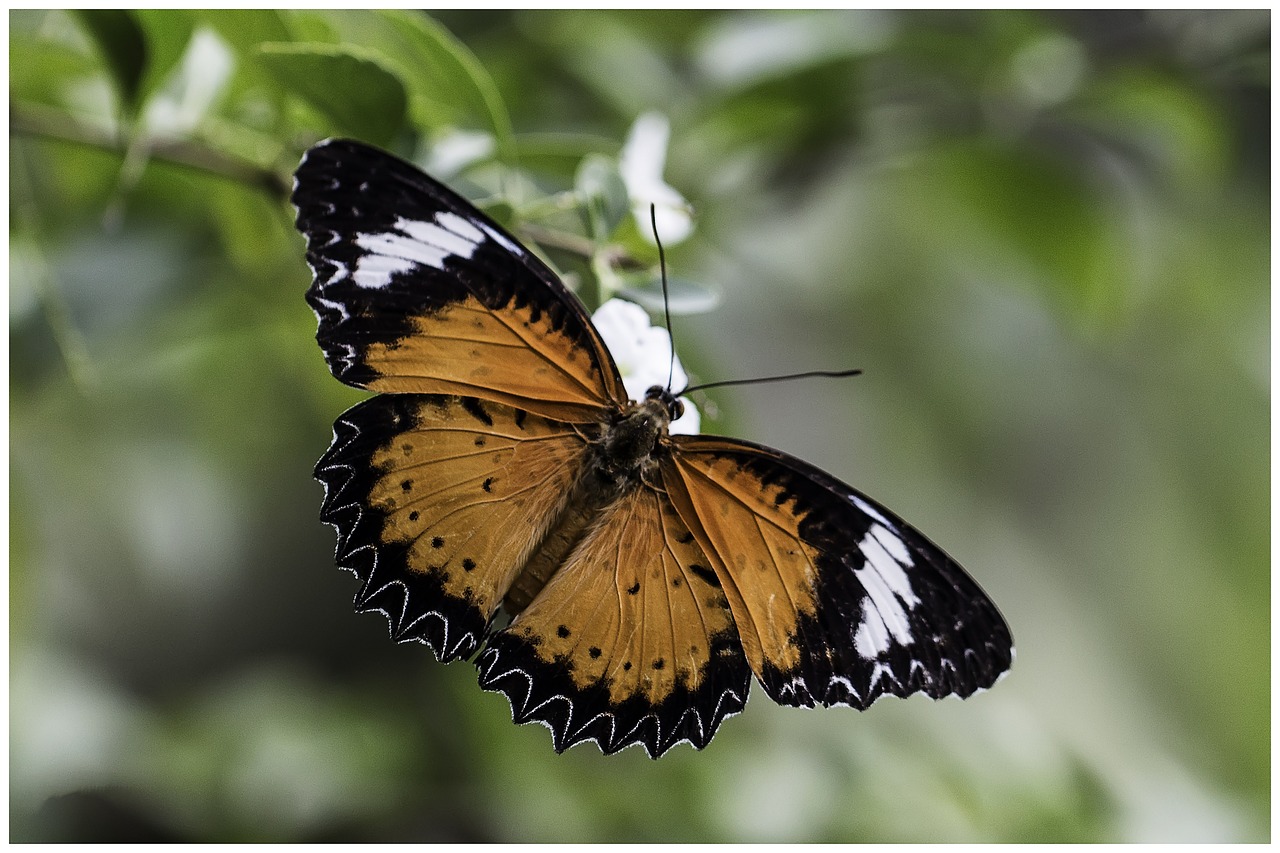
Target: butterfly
<point>502,500</point>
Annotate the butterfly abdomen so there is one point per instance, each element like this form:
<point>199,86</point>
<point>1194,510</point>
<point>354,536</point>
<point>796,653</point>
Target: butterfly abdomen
<point>583,507</point>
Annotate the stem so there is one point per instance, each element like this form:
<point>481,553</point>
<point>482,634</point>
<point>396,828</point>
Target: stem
<point>37,121</point>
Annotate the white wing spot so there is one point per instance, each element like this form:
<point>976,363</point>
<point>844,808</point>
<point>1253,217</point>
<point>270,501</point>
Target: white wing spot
<point>501,240</point>
<point>412,243</point>
<point>872,637</point>
<point>888,605</point>
<point>869,510</point>
<point>461,227</point>
<point>892,543</point>
<point>888,569</point>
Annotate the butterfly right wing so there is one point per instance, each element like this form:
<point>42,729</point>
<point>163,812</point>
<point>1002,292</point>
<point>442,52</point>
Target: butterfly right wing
<point>837,600</point>
<point>438,502</point>
<point>417,291</point>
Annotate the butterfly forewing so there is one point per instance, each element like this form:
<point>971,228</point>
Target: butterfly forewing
<point>837,600</point>
<point>438,502</point>
<point>632,641</point>
<point>418,292</point>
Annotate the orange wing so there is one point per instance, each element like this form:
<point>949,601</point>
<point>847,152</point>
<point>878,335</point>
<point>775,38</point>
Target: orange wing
<point>438,502</point>
<point>417,291</point>
<point>837,600</point>
<point>631,641</point>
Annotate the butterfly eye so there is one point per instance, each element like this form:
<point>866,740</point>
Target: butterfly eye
<point>677,410</point>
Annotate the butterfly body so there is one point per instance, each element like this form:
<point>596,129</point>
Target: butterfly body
<point>648,575</point>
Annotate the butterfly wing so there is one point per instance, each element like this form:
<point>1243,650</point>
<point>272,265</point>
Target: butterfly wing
<point>630,642</point>
<point>837,600</point>
<point>438,501</point>
<point>417,291</point>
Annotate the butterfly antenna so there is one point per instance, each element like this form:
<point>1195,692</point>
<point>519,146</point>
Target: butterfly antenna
<point>666,302</point>
<point>761,379</point>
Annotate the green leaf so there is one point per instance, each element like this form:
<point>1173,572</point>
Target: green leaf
<point>168,32</point>
<point>246,29</point>
<point>123,44</point>
<point>452,71</point>
<point>351,88</point>
<point>603,193</point>
<point>447,86</point>
<point>685,296</point>
<point>41,70</point>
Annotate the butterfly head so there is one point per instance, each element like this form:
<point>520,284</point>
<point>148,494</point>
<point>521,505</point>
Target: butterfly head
<point>672,403</point>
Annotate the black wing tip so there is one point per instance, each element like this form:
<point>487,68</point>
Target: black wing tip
<point>831,676</point>
<point>544,693</point>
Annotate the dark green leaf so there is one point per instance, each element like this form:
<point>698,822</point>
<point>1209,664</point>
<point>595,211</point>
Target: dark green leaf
<point>245,29</point>
<point>168,32</point>
<point>123,45</point>
<point>447,86</point>
<point>451,71</point>
<point>351,88</point>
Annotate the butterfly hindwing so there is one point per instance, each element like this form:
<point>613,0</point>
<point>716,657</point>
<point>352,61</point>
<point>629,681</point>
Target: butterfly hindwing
<point>438,502</point>
<point>417,291</point>
<point>837,600</point>
<point>630,642</point>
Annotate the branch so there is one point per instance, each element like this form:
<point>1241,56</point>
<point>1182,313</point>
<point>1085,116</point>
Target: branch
<point>38,121</point>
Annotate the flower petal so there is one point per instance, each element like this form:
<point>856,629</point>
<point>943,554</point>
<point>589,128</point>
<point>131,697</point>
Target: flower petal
<point>643,355</point>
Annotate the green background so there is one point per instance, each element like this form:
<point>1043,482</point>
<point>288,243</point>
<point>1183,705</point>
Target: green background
<point>1043,236</point>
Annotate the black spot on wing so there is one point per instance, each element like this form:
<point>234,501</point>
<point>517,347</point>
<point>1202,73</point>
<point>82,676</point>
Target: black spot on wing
<point>415,603</point>
<point>960,642</point>
<point>708,576</point>
<point>545,692</point>
<point>477,410</point>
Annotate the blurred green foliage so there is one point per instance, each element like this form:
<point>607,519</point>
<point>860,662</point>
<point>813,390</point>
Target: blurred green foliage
<point>1043,236</point>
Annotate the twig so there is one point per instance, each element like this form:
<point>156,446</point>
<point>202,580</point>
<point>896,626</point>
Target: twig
<point>37,121</point>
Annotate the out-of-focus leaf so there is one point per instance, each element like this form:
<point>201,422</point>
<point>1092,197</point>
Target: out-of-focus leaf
<point>686,296</point>
<point>446,84</point>
<point>41,70</point>
<point>604,193</point>
<point>1003,210</point>
<point>245,29</point>
<point>1177,132</point>
<point>312,25</point>
<point>167,31</point>
<point>255,97</point>
<point>351,88</point>
<point>454,68</point>
<point>557,155</point>
<point>745,49</point>
<point>123,44</point>
<point>502,213</point>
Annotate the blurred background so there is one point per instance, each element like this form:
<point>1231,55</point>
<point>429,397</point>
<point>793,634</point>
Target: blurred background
<point>1043,236</point>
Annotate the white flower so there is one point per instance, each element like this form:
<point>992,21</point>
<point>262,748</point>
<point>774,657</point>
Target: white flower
<point>643,355</point>
<point>193,89</point>
<point>641,162</point>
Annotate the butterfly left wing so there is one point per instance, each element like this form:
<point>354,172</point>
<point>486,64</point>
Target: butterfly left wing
<point>417,291</point>
<point>837,600</point>
<point>438,502</point>
<point>630,642</point>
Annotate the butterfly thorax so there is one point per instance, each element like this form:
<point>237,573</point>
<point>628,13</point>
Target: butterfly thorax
<point>624,456</point>
<point>628,446</point>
